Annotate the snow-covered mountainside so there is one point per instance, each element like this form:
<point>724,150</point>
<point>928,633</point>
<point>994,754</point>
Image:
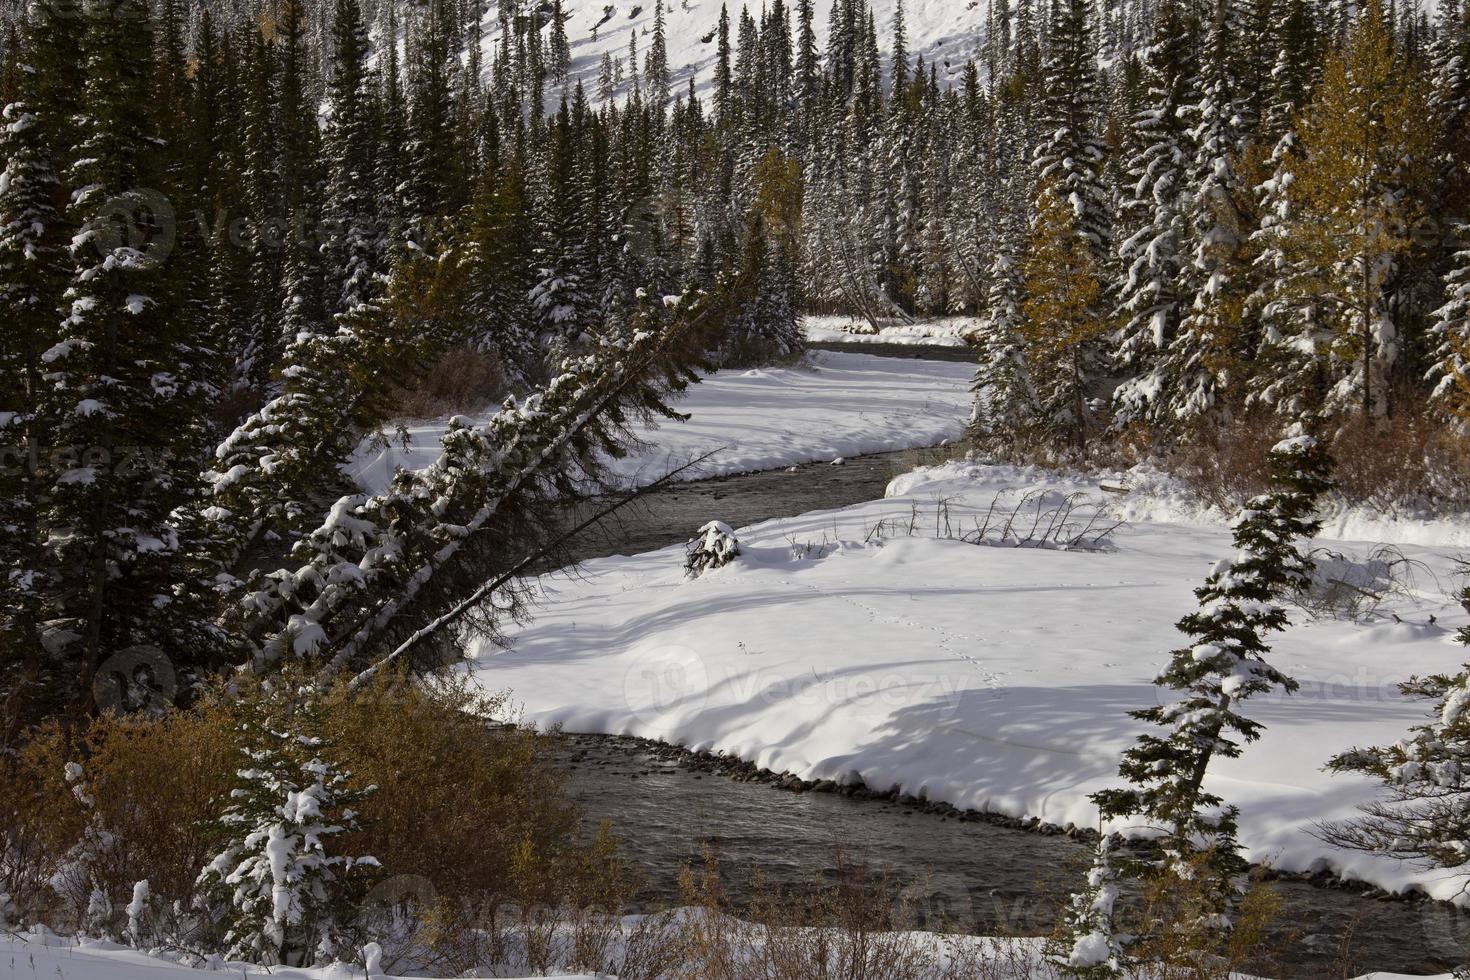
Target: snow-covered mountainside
<point>946,31</point>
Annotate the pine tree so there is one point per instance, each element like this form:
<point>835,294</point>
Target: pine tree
<point>1423,815</point>
<point>1210,342</point>
<point>1451,373</point>
<point>724,77</point>
<point>1005,396</point>
<point>1071,158</point>
<point>1223,665</point>
<point>125,383</point>
<point>432,188</point>
<point>656,71</point>
<point>1154,207</point>
<point>899,75</point>
<point>1089,949</point>
<point>32,276</point>
<point>560,62</point>
<point>280,885</point>
<point>350,206</point>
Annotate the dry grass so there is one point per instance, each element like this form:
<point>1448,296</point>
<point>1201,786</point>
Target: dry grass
<point>469,820</point>
<point>464,380</point>
<point>1412,463</point>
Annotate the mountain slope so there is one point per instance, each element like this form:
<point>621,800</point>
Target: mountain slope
<point>948,31</point>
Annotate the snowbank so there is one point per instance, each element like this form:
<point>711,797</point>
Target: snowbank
<point>60,958</point>
<point>989,677</point>
<point>1153,495</point>
<point>53,957</point>
<point>946,332</point>
<point>838,404</point>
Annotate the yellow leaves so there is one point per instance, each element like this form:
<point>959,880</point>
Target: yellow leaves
<point>1366,148</point>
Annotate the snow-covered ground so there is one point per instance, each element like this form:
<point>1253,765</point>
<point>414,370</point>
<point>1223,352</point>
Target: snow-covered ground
<point>990,677</point>
<point>30,957</point>
<point>836,404</point>
<point>944,332</point>
<point>945,32</point>
<point>56,958</point>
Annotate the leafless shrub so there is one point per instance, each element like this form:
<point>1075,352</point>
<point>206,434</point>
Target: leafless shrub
<point>463,380</point>
<point>1036,519</point>
<point>1354,588</point>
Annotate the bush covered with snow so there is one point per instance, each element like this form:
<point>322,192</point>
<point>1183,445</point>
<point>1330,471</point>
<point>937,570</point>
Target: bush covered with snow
<point>715,547</point>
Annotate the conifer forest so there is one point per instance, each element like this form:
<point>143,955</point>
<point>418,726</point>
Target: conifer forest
<point>435,433</point>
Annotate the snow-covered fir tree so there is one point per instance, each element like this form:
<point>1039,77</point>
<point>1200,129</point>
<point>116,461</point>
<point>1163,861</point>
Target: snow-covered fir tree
<point>1240,605</point>
<point>1451,371</point>
<point>1089,947</point>
<point>281,889</point>
<point>1423,814</point>
<point>1154,209</point>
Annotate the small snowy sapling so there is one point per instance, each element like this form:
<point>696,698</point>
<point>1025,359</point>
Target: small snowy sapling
<point>715,547</point>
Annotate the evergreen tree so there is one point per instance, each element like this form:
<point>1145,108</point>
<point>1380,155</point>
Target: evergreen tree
<point>32,276</point>
<point>657,74</point>
<point>1089,948</point>
<point>1210,341</point>
<point>1422,816</point>
<point>1223,665</point>
<point>125,384</point>
<point>1451,372</point>
<point>281,885</point>
<point>1154,207</point>
<point>1071,158</point>
<point>350,206</point>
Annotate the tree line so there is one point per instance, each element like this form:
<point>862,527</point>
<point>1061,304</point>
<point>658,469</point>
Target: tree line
<point>230,232</point>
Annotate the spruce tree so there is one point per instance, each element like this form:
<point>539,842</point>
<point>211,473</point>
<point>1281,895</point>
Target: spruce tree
<point>281,888</point>
<point>1451,372</point>
<point>125,383</point>
<point>32,276</point>
<point>1423,815</point>
<point>1225,664</point>
<point>1210,341</point>
<point>349,204</point>
<point>1154,207</point>
<point>1070,159</point>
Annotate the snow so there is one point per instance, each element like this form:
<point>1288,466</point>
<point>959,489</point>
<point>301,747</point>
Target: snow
<point>945,332</point>
<point>997,678</point>
<point>835,405</point>
<point>35,956</point>
<point>946,32</point>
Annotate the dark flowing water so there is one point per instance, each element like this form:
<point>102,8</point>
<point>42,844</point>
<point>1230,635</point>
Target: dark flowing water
<point>962,873</point>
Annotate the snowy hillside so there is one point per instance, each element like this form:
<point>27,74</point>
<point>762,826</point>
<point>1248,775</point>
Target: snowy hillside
<point>944,30</point>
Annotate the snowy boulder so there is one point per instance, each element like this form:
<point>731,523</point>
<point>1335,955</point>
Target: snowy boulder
<point>715,547</point>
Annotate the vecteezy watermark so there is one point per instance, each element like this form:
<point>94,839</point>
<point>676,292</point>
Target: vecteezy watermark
<point>140,679</point>
<point>140,221</point>
<point>123,461</point>
<point>664,678</point>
